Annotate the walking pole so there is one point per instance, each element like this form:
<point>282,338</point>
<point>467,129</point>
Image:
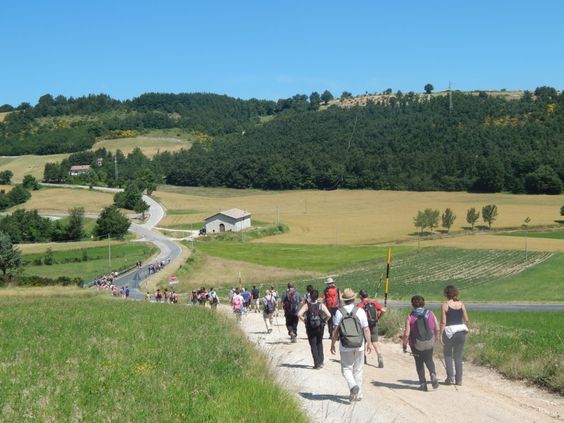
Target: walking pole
<point>387,286</point>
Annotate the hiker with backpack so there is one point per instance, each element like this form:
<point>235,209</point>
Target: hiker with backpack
<point>374,312</point>
<point>314,314</point>
<point>351,329</point>
<point>255,298</point>
<point>237,303</point>
<point>420,332</point>
<point>213,299</point>
<point>269,304</point>
<point>332,300</point>
<point>291,303</point>
<point>454,321</point>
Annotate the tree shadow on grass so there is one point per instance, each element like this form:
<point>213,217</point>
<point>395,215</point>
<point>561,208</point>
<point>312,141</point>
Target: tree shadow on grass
<point>341,399</point>
<point>404,384</point>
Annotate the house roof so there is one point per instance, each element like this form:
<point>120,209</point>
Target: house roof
<point>233,213</point>
<point>80,167</point>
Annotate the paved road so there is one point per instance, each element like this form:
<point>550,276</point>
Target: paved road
<point>168,249</point>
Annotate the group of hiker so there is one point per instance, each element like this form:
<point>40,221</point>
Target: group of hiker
<point>201,296</point>
<point>164,296</point>
<point>354,325</point>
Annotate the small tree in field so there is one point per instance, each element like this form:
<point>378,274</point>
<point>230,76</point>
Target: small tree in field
<point>472,216</point>
<point>489,214</point>
<point>562,211</point>
<point>432,218</point>
<point>419,221</point>
<point>448,218</point>
<point>10,256</point>
<point>112,223</point>
<point>429,88</point>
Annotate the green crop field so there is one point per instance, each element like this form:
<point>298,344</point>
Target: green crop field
<point>96,359</point>
<point>520,345</point>
<point>321,258</point>
<point>546,234</point>
<point>481,275</point>
<point>87,263</point>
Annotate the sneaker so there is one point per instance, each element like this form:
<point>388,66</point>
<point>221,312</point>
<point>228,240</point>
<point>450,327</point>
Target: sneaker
<point>448,381</point>
<point>423,387</point>
<point>315,367</point>
<point>434,381</point>
<point>320,366</point>
<point>380,362</point>
<point>269,330</point>
<point>294,339</point>
<point>354,392</point>
<point>458,383</point>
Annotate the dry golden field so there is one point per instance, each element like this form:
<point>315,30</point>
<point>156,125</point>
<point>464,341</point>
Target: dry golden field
<point>3,116</point>
<point>353,217</point>
<point>31,164</point>
<point>150,146</point>
<point>59,200</point>
<point>486,241</point>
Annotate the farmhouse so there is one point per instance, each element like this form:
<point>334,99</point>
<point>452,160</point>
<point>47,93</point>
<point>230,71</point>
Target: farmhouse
<point>79,170</point>
<point>232,220</point>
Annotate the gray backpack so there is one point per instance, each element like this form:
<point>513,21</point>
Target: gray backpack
<point>350,330</point>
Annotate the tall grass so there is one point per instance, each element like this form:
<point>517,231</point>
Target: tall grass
<point>526,346</point>
<point>94,359</point>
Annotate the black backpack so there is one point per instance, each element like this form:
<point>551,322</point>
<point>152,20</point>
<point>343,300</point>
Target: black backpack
<point>371,314</point>
<point>424,337</point>
<point>314,320</point>
<point>291,302</point>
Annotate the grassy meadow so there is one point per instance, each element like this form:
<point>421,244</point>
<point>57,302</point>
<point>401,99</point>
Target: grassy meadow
<point>526,346</point>
<point>557,234</point>
<point>86,263</point>
<point>88,358</point>
<point>352,217</point>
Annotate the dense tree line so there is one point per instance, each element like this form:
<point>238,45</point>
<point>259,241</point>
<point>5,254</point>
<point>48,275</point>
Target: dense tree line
<point>65,125</point>
<point>484,144</point>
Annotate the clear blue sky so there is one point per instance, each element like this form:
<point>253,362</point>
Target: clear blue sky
<point>274,49</point>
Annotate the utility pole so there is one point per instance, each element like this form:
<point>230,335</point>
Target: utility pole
<point>115,169</point>
<point>109,253</point>
<point>449,98</point>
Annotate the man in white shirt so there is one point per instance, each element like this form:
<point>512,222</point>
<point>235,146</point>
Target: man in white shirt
<point>352,343</point>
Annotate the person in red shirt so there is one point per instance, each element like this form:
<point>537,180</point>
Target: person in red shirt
<point>374,312</point>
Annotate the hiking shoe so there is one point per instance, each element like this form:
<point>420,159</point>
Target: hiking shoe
<point>458,383</point>
<point>380,362</point>
<point>448,381</point>
<point>293,339</point>
<point>354,392</point>
<point>434,381</point>
<point>320,366</point>
<point>423,387</point>
<point>269,330</point>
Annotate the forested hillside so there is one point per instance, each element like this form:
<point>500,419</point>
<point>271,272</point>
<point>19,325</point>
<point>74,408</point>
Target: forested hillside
<point>471,141</point>
<point>482,144</point>
<point>65,125</point>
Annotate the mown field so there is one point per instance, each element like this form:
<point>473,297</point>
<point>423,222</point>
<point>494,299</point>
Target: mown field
<point>149,145</point>
<point>60,200</point>
<point>30,164</point>
<point>86,263</point>
<point>87,358</point>
<point>352,217</point>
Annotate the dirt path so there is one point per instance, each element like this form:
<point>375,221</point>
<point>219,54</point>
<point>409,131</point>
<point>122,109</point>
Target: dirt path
<point>390,394</point>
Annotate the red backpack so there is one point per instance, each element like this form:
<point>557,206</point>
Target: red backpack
<point>332,297</point>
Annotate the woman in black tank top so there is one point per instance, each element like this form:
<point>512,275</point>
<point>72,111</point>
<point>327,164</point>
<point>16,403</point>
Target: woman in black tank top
<point>454,321</point>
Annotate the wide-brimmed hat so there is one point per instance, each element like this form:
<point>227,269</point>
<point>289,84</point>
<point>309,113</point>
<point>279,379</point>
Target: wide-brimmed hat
<point>329,281</point>
<point>348,294</point>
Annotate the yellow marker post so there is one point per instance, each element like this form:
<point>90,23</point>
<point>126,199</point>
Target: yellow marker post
<point>387,287</point>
